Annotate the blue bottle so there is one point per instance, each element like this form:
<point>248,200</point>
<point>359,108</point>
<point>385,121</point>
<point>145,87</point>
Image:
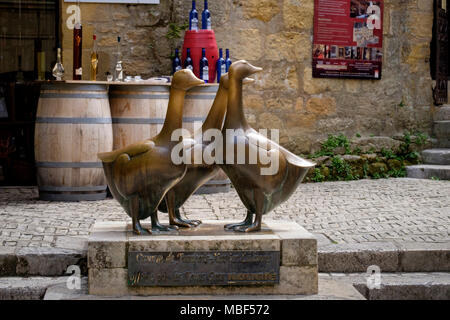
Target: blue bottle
<point>221,66</point>
<point>204,69</point>
<point>176,62</point>
<point>188,63</point>
<point>193,18</point>
<point>206,17</point>
<point>228,60</point>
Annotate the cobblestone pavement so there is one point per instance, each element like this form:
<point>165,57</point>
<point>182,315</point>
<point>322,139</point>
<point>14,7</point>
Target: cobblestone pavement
<point>403,210</point>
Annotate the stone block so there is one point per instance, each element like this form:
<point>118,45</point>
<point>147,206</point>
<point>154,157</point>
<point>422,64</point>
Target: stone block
<point>358,257</point>
<point>110,243</point>
<point>424,257</point>
<point>47,261</point>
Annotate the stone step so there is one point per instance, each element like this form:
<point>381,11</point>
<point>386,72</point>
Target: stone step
<point>34,288</point>
<point>442,113</point>
<point>404,257</point>
<point>329,289</point>
<point>40,261</point>
<point>442,131</point>
<point>390,257</point>
<point>436,156</point>
<point>428,171</point>
<point>399,286</point>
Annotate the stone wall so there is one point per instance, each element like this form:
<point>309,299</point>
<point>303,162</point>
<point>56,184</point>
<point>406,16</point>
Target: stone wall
<point>277,35</point>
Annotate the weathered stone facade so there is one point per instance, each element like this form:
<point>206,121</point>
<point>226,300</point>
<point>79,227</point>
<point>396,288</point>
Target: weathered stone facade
<point>277,35</point>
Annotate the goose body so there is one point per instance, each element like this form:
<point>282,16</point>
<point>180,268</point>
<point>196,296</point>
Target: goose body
<point>260,193</point>
<point>139,175</point>
<point>197,174</point>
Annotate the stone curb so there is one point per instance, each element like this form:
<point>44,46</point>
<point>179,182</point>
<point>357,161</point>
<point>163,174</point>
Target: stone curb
<point>399,286</point>
<point>17,288</point>
<point>40,261</point>
<point>390,257</point>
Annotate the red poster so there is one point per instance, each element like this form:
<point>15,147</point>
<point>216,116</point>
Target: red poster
<point>348,39</point>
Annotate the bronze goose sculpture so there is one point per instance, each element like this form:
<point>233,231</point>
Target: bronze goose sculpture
<point>197,174</point>
<point>139,175</point>
<point>260,193</point>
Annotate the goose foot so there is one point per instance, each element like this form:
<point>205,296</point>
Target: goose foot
<point>140,230</point>
<point>247,222</point>
<point>183,223</point>
<point>251,228</point>
<point>159,227</point>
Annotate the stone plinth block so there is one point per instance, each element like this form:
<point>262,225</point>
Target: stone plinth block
<point>281,259</point>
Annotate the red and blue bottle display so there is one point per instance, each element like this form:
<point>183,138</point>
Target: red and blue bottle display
<point>176,62</point>
<point>206,17</point>
<point>227,60</point>
<point>193,18</point>
<point>221,65</point>
<point>204,69</point>
<point>188,63</point>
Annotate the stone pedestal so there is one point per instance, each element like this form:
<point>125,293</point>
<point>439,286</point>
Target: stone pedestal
<point>112,243</point>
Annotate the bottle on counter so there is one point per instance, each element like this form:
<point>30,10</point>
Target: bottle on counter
<point>176,62</point>
<point>204,69</point>
<point>77,50</point>
<point>193,18</point>
<point>227,60</point>
<point>58,69</point>
<point>221,65</point>
<point>39,59</point>
<point>188,63</point>
<point>118,75</point>
<point>206,17</point>
<point>94,59</point>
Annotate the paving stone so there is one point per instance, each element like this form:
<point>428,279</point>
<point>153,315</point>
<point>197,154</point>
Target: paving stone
<point>343,212</point>
<point>34,288</point>
<point>47,261</point>
<point>358,257</point>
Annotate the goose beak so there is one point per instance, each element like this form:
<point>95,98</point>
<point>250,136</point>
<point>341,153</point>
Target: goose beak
<point>254,69</point>
<point>248,80</point>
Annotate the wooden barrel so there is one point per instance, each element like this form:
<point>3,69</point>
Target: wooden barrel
<point>73,124</point>
<point>138,112</point>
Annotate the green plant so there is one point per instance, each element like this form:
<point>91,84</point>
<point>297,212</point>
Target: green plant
<point>421,138</point>
<point>175,30</point>
<point>401,104</point>
<point>397,173</point>
<point>333,142</point>
<point>318,176</point>
<point>342,170</point>
<point>388,154</point>
<point>435,178</point>
<point>358,135</point>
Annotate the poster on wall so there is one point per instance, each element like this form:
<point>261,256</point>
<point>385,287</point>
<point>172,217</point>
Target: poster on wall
<point>348,39</point>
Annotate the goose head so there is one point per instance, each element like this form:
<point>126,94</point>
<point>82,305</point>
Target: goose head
<point>241,69</point>
<point>225,81</point>
<point>185,80</point>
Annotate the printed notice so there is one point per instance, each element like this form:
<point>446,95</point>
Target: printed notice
<point>348,39</point>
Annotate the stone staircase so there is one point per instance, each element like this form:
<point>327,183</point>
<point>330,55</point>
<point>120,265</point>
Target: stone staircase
<point>436,161</point>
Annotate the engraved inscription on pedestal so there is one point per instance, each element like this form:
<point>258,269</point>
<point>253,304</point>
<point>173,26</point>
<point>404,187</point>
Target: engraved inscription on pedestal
<point>203,268</point>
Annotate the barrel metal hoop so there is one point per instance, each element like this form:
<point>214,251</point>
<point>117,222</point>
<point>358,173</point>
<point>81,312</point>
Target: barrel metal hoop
<point>74,87</point>
<point>72,197</point>
<point>73,120</point>
<point>57,95</point>
<point>72,189</point>
<point>139,96</point>
<point>213,88</point>
<point>115,89</point>
<point>153,120</point>
<point>199,97</point>
<point>48,164</point>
